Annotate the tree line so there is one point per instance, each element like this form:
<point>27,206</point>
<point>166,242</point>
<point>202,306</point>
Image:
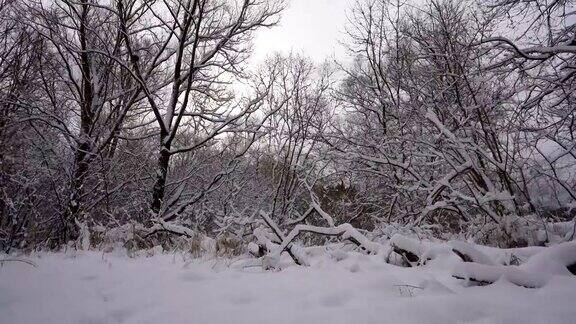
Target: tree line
<point>146,114</point>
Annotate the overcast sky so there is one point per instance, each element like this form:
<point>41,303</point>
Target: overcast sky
<point>310,27</point>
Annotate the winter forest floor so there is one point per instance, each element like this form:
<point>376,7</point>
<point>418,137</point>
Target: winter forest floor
<point>95,287</point>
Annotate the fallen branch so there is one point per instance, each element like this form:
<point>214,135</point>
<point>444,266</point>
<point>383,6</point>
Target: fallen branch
<point>410,250</point>
<point>19,260</point>
<point>344,231</point>
<point>468,253</point>
<point>298,258</point>
<point>558,259</point>
<point>487,274</point>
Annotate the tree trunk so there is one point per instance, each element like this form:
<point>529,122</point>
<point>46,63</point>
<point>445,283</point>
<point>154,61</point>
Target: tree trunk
<point>81,164</point>
<point>82,155</point>
<point>161,175</point>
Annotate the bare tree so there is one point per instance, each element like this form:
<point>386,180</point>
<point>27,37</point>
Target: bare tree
<point>84,91</point>
<point>541,56</point>
<point>192,49</point>
<point>20,52</point>
<point>428,123</point>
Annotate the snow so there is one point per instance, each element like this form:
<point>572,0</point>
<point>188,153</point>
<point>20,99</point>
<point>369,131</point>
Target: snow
<point>95,287</point>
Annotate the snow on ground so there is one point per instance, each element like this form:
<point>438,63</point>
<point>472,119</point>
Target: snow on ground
<point>96,287</point>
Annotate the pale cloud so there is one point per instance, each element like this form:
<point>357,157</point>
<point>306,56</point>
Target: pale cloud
<point>310,27</point>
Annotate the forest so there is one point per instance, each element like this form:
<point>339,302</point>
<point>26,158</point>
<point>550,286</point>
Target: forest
<point>142,126</point>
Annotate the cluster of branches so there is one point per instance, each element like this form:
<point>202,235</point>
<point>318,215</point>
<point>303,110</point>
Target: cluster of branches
<point>449,123</point>
<point>145,112</point>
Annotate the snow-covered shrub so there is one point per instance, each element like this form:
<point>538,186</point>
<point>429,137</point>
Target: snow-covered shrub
<point>228,246</point>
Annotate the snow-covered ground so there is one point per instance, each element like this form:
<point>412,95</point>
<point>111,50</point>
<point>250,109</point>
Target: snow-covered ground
<point>96,287</point>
